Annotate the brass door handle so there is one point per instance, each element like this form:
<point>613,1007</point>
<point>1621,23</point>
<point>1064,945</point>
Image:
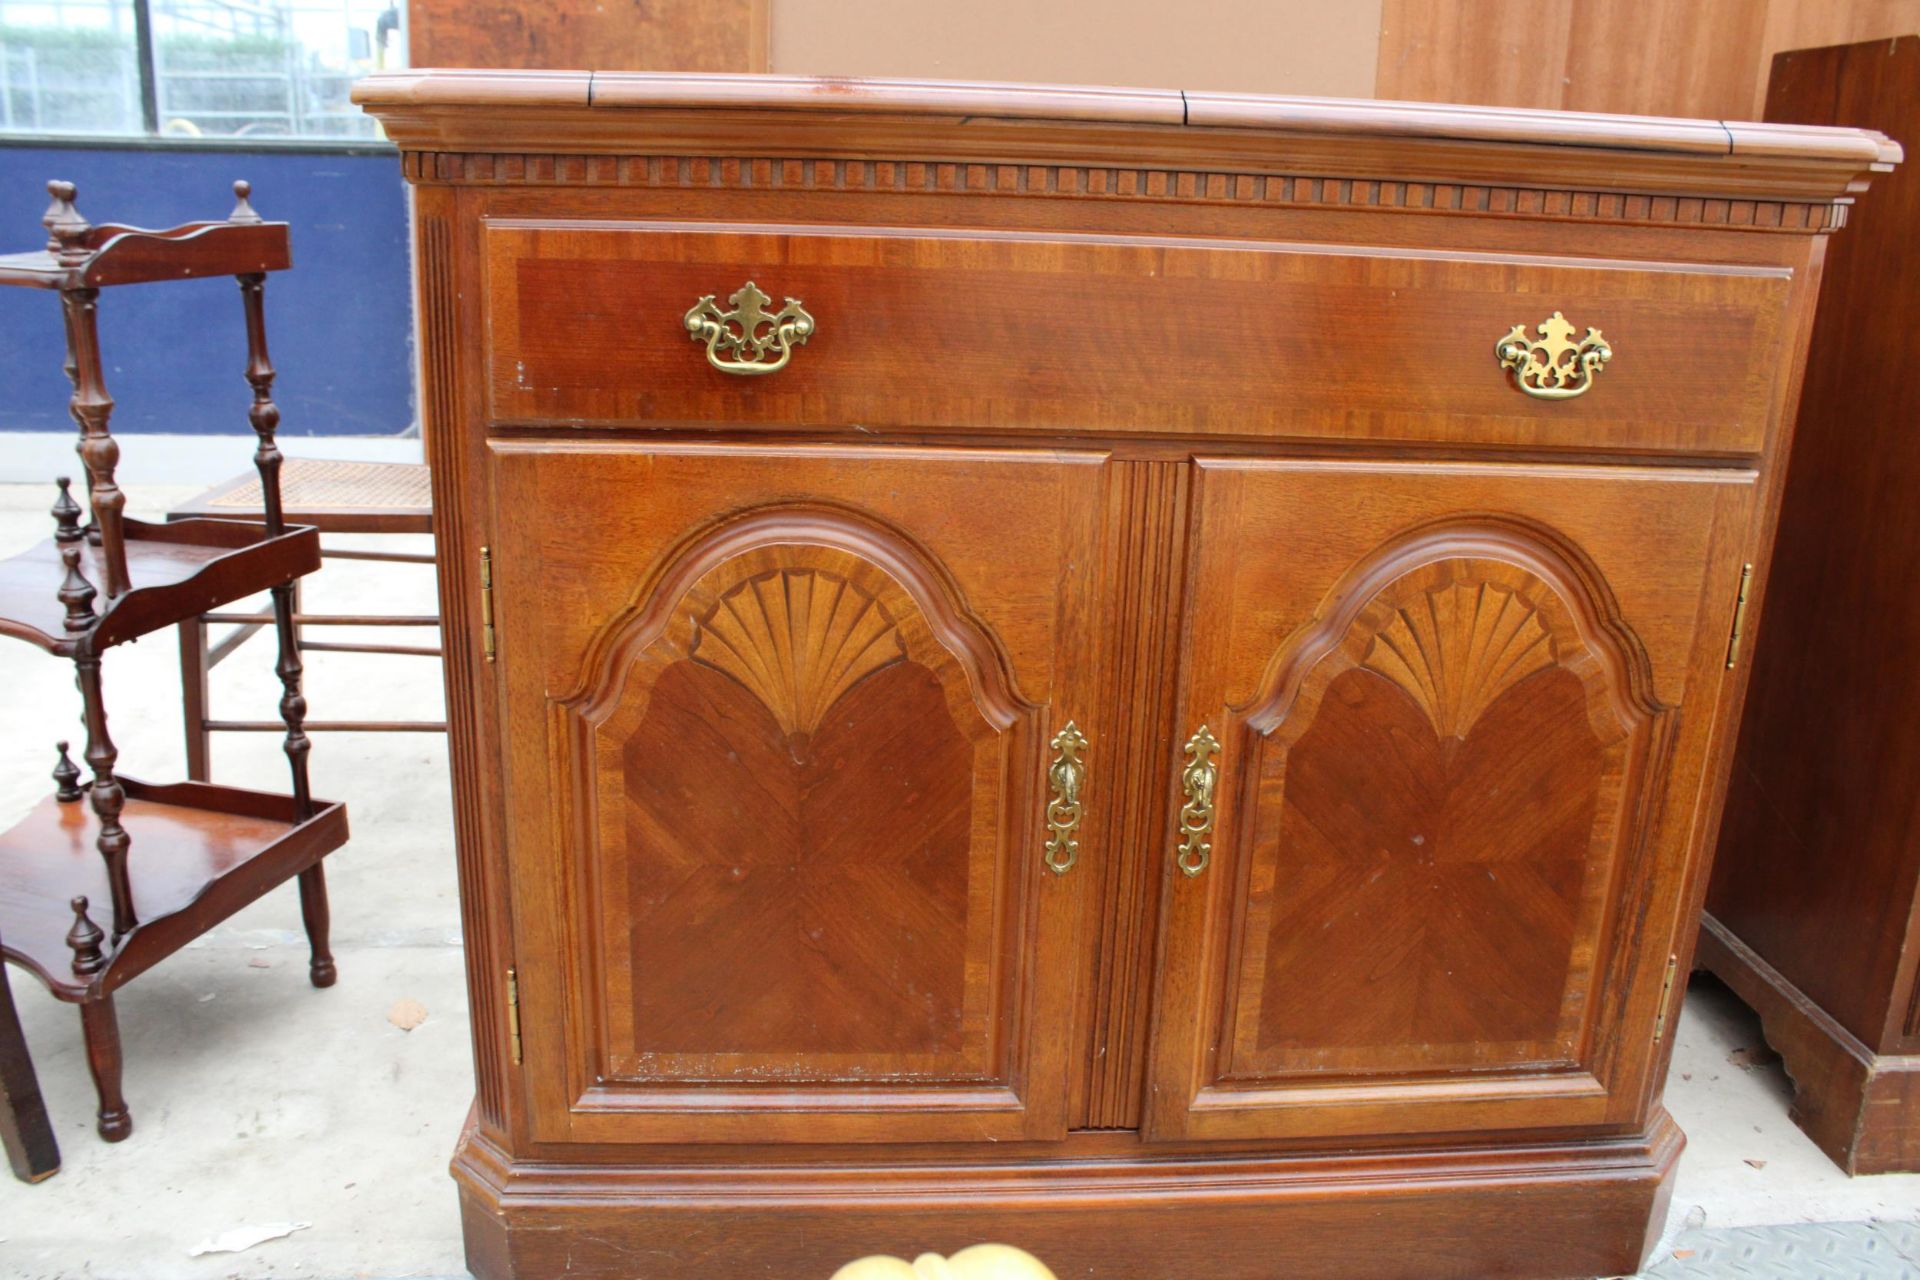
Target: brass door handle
<point>1556,367</point>
<point>1067,775</point>
<point>1198,781</point>
<point>748,340</point>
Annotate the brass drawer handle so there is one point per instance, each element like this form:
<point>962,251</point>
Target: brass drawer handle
<point>1066,775</point>
<point>735,340</point>
<point>1556,367</point>
<point>1198,781</point>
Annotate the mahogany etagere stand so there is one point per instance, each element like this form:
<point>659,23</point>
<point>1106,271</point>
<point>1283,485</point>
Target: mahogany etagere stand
<point>166,863</point>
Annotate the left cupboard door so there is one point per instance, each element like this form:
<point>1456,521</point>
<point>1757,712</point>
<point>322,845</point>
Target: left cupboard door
<point>777,739</point>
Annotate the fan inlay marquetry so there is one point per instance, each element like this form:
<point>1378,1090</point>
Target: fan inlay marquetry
<point>1458,648</point>
<point>799,639</point>
<point>799,771</point>
<point>1434,823</point>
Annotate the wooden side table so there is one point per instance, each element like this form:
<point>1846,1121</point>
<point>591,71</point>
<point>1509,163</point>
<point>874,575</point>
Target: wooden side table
<point>1120,671</point>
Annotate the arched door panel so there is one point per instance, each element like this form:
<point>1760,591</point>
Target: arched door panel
<point>1449,712</point>
<point>777,802</point>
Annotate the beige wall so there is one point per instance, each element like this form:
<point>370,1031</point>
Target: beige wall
<point>1323,47</point>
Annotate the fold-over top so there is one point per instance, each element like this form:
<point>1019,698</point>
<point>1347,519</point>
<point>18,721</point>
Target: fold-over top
<point>718,115</point>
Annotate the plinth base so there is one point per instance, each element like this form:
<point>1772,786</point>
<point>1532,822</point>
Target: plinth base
<point>1553,1210</point>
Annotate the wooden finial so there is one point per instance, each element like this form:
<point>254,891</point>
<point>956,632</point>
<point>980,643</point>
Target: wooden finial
<point>242,211</point>
<point>66,777</point>
<point>85,939</point>
<point>66,512</point>
<point>64,224</point>
<point>76,593</point>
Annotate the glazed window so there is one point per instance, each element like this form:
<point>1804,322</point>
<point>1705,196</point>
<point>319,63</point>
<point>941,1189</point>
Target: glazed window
<point>193,69</point>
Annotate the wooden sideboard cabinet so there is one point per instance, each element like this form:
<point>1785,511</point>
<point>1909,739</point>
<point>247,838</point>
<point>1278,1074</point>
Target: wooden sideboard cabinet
<point>1814,907</point>
<point>1135,674</point>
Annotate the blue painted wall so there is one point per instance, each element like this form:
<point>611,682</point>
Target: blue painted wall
<point>339,323</point>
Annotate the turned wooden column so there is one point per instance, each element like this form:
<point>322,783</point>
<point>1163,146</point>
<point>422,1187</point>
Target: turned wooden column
<point>90,406</point>
<point>265,419</point>
<point>107,795</point>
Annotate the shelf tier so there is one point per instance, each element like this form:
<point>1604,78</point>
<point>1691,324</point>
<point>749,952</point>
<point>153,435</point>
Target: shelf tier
<point>179,570</point>
<point>136,255</point>
<point>199,853</point>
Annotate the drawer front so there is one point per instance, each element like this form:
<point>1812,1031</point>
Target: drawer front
<point>927,331</point>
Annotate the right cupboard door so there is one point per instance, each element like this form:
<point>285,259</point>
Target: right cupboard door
<point>1446,727</point>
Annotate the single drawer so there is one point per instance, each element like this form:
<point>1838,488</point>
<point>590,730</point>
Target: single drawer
<point>588,323</point>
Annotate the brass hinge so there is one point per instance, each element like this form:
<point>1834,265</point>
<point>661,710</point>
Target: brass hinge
<point>1659,1023</point>
<point>1739,616</point>
<point>513,1014</point>
<point>486,605</point>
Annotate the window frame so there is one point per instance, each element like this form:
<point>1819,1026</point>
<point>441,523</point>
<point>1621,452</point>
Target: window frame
<point>151,138</point>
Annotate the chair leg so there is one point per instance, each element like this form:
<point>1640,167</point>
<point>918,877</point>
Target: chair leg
<point>102,1030</point>
<point>25,1130</point>
<point>313,911</point>
<point>193,696</point>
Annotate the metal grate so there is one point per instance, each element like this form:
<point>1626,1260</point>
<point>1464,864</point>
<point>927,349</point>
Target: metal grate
<point>1810,1251</point>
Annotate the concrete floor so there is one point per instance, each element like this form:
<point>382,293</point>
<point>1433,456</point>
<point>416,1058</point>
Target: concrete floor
<point>257,1099</point>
